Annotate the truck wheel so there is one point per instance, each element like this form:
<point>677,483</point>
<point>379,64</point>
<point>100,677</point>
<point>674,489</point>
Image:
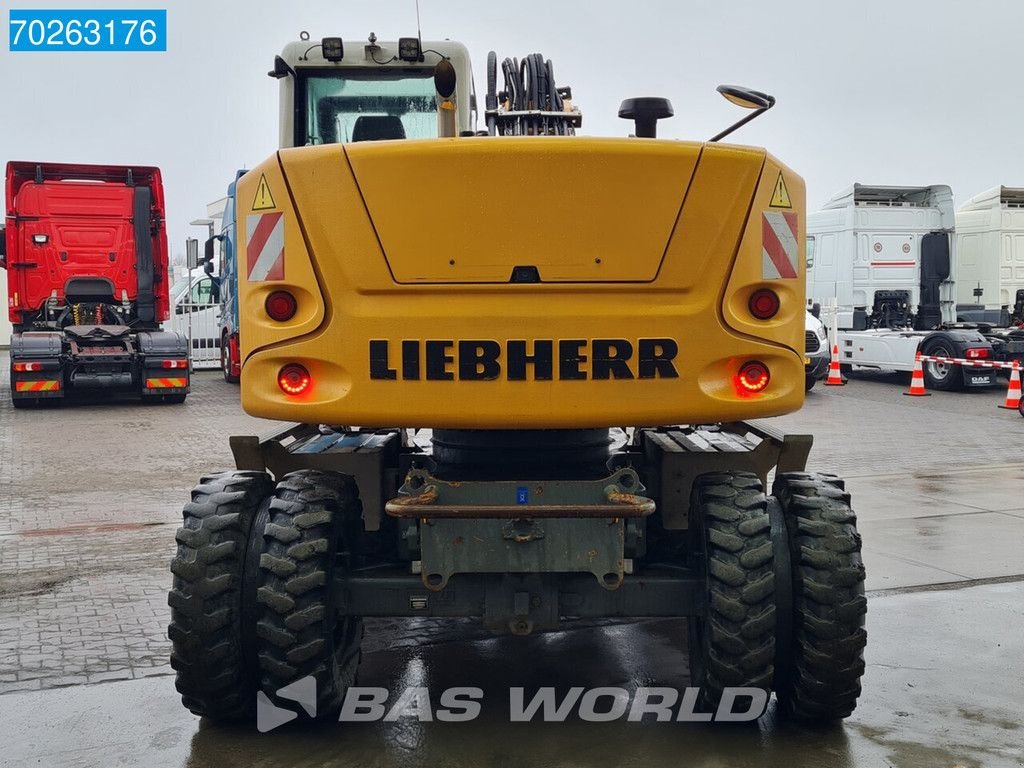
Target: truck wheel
<point>821,662</point>
<point>734,643</point>
<point>809,382</point>
<point>941,376</point>
<point>299,631</point>
<point>213,595</point>
<point>225,359</point>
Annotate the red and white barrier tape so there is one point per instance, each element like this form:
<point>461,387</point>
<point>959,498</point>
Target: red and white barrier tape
<point>967,363</point>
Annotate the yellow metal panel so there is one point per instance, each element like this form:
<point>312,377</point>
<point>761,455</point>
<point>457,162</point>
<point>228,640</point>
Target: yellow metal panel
<point>456,210</point>
<point>748,275</point>
<point>299,278</point>
<point>686,301</point>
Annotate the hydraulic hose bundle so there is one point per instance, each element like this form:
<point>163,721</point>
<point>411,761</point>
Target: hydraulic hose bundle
<point>531,104</point>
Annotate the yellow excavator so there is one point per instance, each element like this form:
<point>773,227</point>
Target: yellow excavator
<point>554,346</point>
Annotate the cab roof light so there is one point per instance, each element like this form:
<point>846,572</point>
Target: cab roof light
<point>332,48</point>
<point>409,49</point>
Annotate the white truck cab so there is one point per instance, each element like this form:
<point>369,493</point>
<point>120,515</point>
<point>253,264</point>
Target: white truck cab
<point>990,256</point>
<point>871,245</point>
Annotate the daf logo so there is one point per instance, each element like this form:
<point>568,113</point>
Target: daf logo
<point>521,360</point>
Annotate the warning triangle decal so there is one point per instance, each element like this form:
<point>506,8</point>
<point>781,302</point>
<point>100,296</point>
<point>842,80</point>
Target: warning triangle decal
<point>264,200</point>
<point>780,197</point>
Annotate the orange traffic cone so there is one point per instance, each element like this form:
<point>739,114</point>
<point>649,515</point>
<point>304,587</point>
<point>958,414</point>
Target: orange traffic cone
<point>835,375</point>
<point>1013,391</point>
<point>917,380</point>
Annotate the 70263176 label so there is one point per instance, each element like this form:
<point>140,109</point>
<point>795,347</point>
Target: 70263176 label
<point>87,30</point>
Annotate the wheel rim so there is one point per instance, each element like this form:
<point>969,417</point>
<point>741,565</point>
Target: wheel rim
<point>225,356</point>
<point>940,371</point>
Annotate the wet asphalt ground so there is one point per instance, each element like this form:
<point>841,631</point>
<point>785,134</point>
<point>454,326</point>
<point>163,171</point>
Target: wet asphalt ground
<point>90,496</point>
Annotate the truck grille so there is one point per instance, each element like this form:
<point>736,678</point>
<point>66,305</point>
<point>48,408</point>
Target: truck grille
<point>813,345</point>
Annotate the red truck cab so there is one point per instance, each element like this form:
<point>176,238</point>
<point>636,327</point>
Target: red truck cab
<point>85,247</point>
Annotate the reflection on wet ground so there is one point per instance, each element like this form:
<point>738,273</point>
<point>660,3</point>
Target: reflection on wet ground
<point>942,689</point>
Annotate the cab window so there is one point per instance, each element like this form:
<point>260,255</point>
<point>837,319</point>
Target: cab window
<point>203,292</point>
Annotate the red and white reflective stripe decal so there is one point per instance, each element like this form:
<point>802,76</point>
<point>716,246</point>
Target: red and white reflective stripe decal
<point>967,363</point>
<point>264,250</point>
<point>779,249</point>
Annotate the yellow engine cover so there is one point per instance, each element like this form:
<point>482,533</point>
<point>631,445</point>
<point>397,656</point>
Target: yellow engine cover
<point>498,283</point>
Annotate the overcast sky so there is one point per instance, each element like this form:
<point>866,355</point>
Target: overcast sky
<point>908,92</point>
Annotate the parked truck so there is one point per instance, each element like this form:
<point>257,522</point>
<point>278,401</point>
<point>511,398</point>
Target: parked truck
<point>883,256</point>
<point>990,256</point>
<point>85,248</point>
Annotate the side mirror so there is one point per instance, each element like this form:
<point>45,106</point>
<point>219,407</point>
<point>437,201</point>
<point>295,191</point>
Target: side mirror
<point>816,310</point>
<point>281,69</point>
<point>191,253</point>
<point>208,266</point>
<point>208,248</point>
<point>748,99</point>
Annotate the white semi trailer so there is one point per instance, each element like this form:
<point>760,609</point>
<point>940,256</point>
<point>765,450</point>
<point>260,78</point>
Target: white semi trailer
<point>990,257</point>
<point>882,256</point>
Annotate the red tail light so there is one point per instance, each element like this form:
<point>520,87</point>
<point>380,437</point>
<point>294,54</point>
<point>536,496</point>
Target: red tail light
<point>752,378</point>
<point>764,304</point>
<point>977,353</point>
<point>27,367</point>
<point>281,306</point>
<point>293,379</point>
<point>174,364</point>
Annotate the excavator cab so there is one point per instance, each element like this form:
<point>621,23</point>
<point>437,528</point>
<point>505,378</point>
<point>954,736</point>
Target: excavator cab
<point>338,91</point>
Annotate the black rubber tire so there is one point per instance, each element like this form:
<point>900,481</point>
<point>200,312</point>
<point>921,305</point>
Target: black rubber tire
<point>953,378</point>
<point>313,516</point>
<point>734,644</point>
<point>215,677</point>
<point>809,382</point>
<point>225,359</point>
<point>821,681</point>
